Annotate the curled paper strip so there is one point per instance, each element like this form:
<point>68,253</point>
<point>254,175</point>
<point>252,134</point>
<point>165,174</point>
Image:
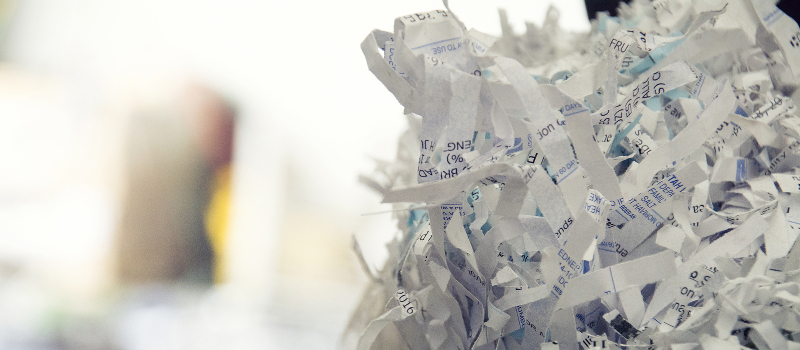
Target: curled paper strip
<point>637,186</point>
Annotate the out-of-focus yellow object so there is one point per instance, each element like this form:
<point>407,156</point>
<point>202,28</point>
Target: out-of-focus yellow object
<point>216,220</point>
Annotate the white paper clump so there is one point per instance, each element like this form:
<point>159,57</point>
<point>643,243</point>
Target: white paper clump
<point>614,189</point>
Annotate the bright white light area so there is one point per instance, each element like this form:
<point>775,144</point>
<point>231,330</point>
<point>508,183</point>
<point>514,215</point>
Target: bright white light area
<point>482,15</point>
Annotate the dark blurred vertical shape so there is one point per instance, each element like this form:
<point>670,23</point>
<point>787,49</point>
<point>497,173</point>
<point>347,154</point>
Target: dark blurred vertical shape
<point>595,6</point>
<point>214,118</point>
<point>175,157</point>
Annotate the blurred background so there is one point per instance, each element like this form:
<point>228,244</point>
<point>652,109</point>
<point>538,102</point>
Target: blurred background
<point>183,174</point>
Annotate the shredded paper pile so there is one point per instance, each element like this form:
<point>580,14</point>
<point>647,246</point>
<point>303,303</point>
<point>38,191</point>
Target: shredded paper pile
<point>637,186</point>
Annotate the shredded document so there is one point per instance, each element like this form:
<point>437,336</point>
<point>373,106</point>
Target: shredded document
<point>634,187</point>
